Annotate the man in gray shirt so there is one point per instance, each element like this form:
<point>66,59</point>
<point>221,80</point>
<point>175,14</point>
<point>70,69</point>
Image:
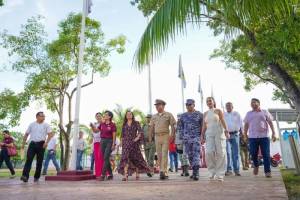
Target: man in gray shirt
<point>81,146</point>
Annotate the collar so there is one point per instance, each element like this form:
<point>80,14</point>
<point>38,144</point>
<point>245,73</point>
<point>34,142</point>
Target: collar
<point>191,112</point>
<point>259,110</point>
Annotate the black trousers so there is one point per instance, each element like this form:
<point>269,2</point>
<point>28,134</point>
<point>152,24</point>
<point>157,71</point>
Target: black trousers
<point>38,150</point>
<point>4,156</point>
<point>106,144</point>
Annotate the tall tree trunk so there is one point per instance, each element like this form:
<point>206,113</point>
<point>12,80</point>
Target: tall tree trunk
<point>62,149</point>
<point>67,153</point>
<point>287,81</point>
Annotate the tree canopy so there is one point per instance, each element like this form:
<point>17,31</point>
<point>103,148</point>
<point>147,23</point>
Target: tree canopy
<point>265,37</point>
<point>51,67</point>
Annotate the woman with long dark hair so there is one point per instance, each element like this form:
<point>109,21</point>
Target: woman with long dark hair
<point>132,159</point>
<point>95,140</point>
<point>108,142</point>
<point>7,142</point>
<point>213,121</point>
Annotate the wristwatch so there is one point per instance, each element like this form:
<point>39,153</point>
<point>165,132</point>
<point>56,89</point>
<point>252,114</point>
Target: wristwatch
<point>115,144</point>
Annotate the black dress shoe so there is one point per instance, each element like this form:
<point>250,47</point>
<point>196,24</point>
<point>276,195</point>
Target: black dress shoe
<point>170,170</point>
<point>110,177</point>
<point>24,179</point>
<point>149,174</point>
<point>162,176</point>
<point>36,180</point>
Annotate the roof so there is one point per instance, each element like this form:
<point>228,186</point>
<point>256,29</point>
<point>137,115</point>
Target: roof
<point>284,114</point>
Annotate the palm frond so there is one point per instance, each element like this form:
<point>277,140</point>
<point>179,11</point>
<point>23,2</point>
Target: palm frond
<point>171,18</point>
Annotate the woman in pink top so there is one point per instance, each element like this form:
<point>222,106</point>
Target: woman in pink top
<point>95,139</point>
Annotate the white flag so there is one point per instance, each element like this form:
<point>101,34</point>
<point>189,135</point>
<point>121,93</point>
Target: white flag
<point>222,105</point>
<point>179,72</point>
<point>200,89</point>
<point>89,4</point>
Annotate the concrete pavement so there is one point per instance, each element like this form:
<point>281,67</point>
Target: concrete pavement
<point>244,187</point>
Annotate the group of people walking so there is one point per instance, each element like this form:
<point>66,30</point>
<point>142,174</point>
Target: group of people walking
<point>221,132</point>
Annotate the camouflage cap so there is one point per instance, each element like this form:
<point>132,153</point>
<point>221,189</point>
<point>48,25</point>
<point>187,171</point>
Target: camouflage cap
<point>190,101</point>
<point>159,101</point>
<point>149,116</point>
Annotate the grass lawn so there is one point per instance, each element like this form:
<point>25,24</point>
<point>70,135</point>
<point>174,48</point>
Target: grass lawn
<point>5,173</point>
<point>292,183</point>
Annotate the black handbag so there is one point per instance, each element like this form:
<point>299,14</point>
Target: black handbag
<point>180,151</point>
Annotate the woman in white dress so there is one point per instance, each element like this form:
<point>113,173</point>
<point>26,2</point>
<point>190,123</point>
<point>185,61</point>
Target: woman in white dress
<point>213,120</point>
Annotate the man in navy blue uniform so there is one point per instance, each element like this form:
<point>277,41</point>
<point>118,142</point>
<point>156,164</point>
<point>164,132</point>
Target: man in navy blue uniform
<point>190,129</point>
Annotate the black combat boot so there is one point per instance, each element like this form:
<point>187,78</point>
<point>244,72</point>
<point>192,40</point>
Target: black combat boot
<point>183,170</point>
<point>186,171</point>
<point>196,173</point>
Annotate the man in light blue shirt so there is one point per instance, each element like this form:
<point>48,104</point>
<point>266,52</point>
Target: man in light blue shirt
<point>234,124</point>
<point>51,154</point>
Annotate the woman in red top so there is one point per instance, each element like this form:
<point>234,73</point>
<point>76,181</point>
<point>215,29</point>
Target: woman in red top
<point>173,156</point>
<point>108,142</point>
<point>7,142</point>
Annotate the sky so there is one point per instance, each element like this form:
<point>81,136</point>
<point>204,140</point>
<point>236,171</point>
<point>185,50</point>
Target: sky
<point>124,85</point>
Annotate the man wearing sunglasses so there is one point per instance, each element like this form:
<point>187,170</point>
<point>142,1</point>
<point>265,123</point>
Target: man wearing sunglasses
<point>190,129</point>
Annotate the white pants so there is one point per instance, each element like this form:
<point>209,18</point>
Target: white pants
<point>216,143</point>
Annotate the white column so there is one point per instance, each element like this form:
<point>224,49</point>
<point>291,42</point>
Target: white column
<point>78,92</point>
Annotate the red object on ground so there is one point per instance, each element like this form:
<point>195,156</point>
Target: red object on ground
<point>73,175</point>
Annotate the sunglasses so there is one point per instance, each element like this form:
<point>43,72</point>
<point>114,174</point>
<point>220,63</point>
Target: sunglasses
<point>188,104</point>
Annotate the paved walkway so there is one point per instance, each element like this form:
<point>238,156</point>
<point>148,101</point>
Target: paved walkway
<point>245,187</point>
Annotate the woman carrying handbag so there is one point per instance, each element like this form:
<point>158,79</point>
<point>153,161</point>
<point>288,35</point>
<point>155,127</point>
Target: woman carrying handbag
<point>7,142</point>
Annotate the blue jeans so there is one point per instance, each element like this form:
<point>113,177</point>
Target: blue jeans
<point>264,144</point>
<point>92,161</point>
<point>173,158</point>
<point>78,161</point>
<point>233,153</point>
<point>48,158</point>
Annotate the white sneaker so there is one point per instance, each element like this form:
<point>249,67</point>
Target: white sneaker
<point>211,175</point>
<point>221,178</point>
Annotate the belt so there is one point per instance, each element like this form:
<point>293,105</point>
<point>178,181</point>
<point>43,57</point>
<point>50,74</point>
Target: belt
<point>233,132</point>
<point>160,134</point>
<point>37,141</point>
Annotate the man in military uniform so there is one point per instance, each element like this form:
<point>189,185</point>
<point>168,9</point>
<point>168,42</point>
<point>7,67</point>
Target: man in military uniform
<point>190,129</point>
<point>160,123</point>
<point>181,148</point>
<point>149,148</point>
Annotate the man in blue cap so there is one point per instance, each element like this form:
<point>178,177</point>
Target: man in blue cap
<point>190,129</point>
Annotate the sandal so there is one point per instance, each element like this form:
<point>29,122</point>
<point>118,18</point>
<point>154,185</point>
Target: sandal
<point>13,176</point>
<point>125,179</point>
<point>137,177</point>
<point>109,177</point>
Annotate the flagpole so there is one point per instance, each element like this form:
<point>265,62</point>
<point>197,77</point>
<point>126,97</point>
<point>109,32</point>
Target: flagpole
<point>181,76</point>
<point>78,92</point>
<point>201,95</point>
<point>149,79</point>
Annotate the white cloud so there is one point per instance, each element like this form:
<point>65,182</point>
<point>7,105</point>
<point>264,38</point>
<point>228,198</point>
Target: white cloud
<point>10,5</point>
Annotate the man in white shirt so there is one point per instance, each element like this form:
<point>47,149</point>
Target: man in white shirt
<point>81,146</point>
<point>114,155</point>
<point>38,132</point>
<point>234,124</point>
<point>51,154</point>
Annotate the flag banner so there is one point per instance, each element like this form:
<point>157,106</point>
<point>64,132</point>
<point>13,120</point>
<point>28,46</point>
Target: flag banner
<point>180,69</point>
<point>222,104</point>
<point>89,4</point>
<point>200,90</point>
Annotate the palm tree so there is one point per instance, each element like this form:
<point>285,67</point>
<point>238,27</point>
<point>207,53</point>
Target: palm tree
<point>228,16</point>
<point>119,114</point>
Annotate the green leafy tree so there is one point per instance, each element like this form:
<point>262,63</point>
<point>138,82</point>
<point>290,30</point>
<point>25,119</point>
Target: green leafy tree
<point>148,7</point>
<point>1,3</point>
<point>119,115</point>
<point>271,28</point>
<point>51,67</point>
<point>11,107</point>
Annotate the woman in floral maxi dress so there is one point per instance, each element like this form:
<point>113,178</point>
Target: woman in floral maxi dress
<point>132,159</point>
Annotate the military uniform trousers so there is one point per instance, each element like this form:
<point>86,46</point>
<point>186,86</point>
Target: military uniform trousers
<point>182,157</point>
<point>216,143</point>
<point>193,151</point>
<point>162,147</point>
<point>244,153</point>
<point>150,153</point>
